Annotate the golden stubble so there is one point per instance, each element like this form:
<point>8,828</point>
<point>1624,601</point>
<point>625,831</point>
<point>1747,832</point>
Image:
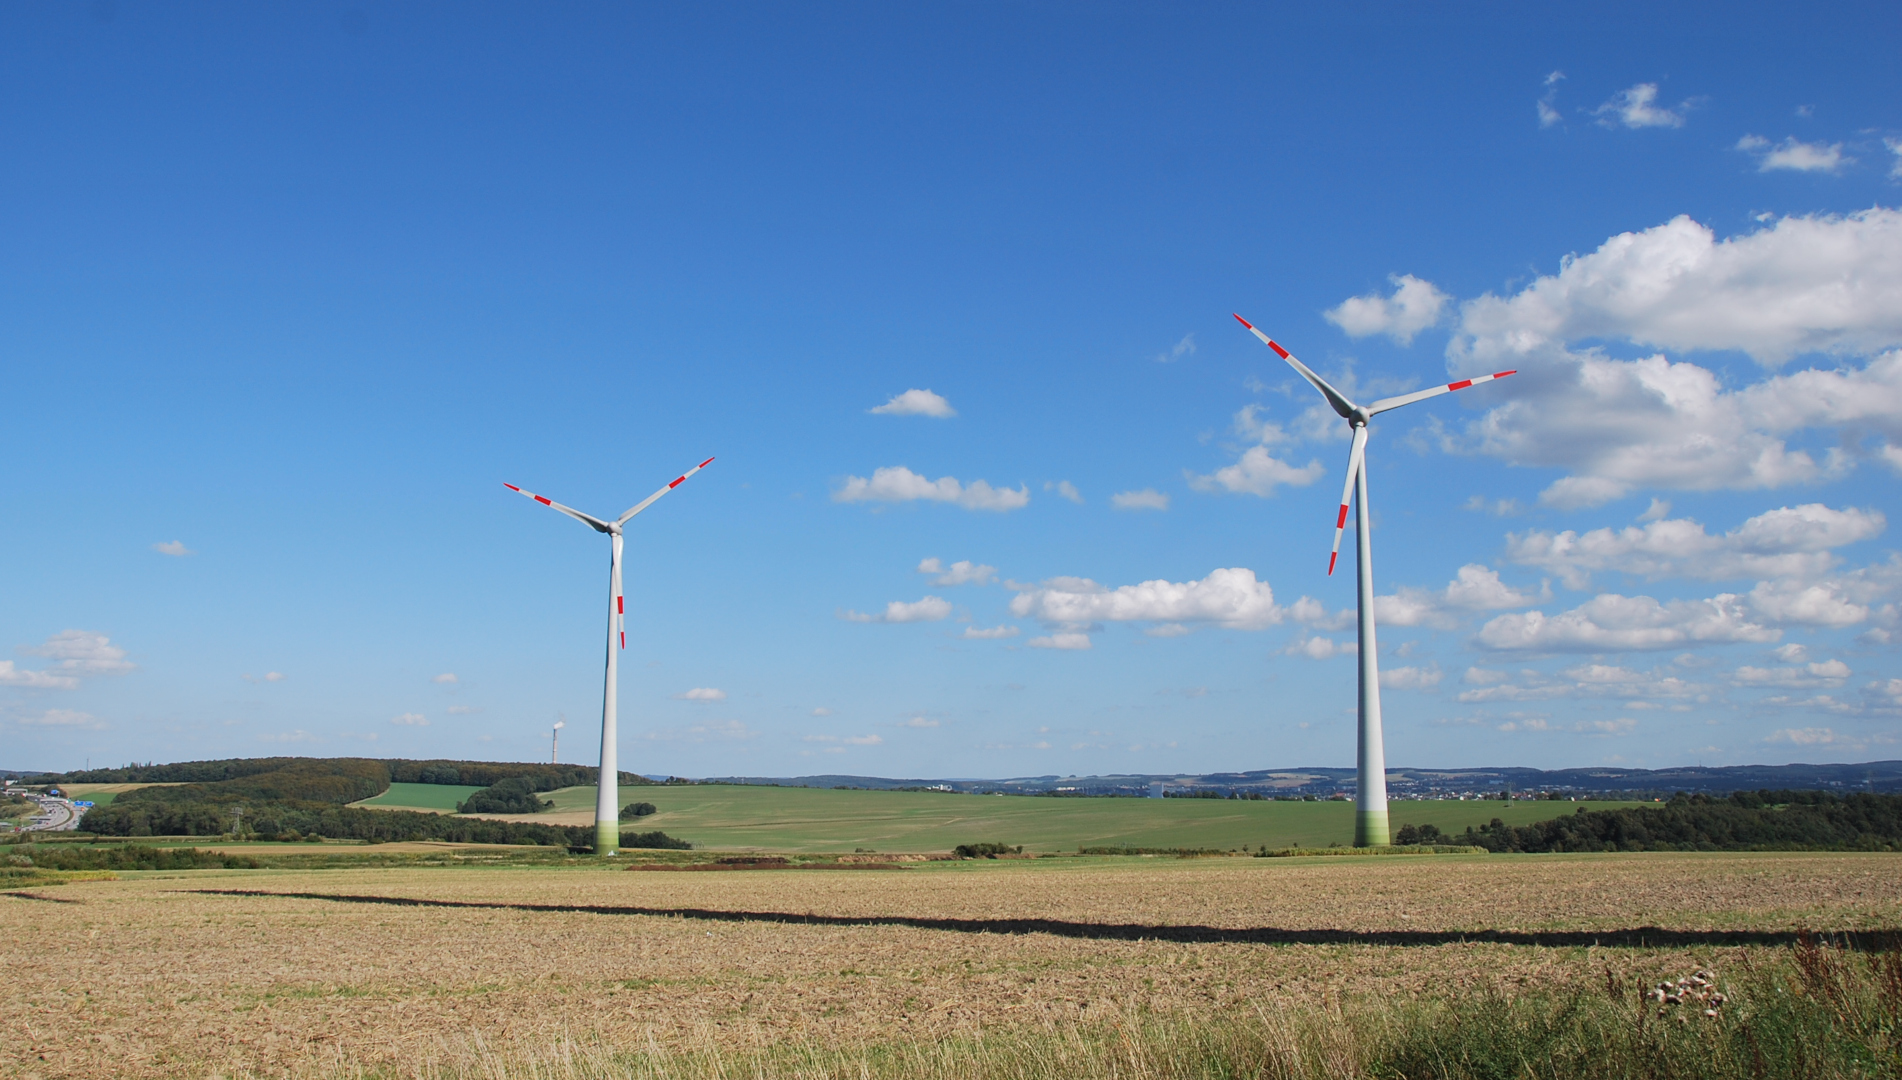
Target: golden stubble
<point>150,977</point>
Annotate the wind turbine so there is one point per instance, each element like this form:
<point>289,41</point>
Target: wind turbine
<point>554,746</point>
<point>1370,798</point>
<point>607,810</point>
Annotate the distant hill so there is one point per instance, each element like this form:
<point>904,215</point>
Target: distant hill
<point>1873,776</point>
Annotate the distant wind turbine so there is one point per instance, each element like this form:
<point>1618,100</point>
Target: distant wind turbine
<point>554,748</point>
<point>1370,798</point>
<point>607,810</point>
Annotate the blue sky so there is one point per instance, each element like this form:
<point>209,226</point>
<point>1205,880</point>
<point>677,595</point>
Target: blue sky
<point>288,292</point>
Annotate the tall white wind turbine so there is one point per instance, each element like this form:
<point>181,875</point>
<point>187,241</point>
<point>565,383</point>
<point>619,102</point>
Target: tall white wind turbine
<point>1370,800</point>
<point>607,810</point>
<point>554,744</point>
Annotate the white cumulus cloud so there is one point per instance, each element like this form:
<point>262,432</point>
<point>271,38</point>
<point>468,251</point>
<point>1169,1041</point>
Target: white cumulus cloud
<point>35,680</point>
<point>701,693</point>
<point>1321,648</point>
<point>1229,597</point>
<point>1826,673</point>
<point>173,547</point>
<point>1795,156</point>
<point>1412,678</point>
<point>1476,588</point>
<point>1801,286</point>
<point>1258,472</point>
<point>1415,305</point>
<point>1820,283</point>
<point>1787,541</point>
<point>928,609</point>
<point>1146,499</point>
<point>1613,623</point>
<point>916,403</point>
<point>83,652</point>
<point>899,484</point>
<point>410,719</point>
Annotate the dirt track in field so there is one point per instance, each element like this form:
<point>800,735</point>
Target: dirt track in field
<point>160,976</point>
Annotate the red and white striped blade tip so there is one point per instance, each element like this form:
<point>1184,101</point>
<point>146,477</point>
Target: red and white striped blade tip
<point>1243,321</point>
<point>1330,563</point>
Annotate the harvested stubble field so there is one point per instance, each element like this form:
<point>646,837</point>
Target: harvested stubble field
<point>499,972</point>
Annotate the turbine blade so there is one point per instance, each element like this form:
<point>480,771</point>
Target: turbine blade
<point>592,522</point>
<point>1384,404</point>
<point>1355,459</point>
<point>649,501</point>
<point>1334,397</point>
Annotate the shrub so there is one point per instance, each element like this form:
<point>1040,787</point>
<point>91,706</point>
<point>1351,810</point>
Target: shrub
<point>515,795</point>
<point>655,839</point>
<point>985,850</point>
<point>636,810</point>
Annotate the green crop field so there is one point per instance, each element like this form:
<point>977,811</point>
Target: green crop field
<point>437,798</point>
<point>742,817</point>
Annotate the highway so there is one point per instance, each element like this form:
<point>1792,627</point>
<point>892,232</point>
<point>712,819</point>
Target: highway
<point>56,815</point>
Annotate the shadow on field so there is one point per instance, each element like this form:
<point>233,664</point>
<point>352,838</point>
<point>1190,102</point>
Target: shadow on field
<point>42,899</point>
<point>1640,937</point>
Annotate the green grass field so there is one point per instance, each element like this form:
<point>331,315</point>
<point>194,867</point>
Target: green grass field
<point>742,817</point>
<point>437,798</point>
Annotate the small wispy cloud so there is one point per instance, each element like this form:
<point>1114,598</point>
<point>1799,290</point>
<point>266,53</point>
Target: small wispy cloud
<point>173,547</point>
<point>975,633</point>
<point>822,711</point>
<point>962,572</point>
<point>1548,111</point>
<point>445,677</point>
<point>410,719</point>
<point>299,735</point>
<point>269,676</point>
<point>701,693</point>
<point>1637,107</point>
<point>916,403</point>
<point>1064,489</point>
<point>463,710</point>
<point>62,718</point>
<point>920,722</point>
<point>1060,641</point>
<point>1146,499</point>
<point>1185,347</point>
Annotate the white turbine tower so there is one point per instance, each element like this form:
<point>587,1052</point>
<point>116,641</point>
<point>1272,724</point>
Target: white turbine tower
<point>554,746</point>
<point>607,810</point>
<point>1370,800</point>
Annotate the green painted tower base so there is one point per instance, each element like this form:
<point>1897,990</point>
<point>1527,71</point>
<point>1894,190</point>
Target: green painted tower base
<point>607,836</point>
<point>1370,829</point>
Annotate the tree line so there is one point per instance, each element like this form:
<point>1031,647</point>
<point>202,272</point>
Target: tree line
<point>305,797</point>
<point>548,777</point>
<point>1742,821</point>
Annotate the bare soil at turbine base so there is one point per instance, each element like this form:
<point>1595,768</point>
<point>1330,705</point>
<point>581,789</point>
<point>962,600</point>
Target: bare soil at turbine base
<point>275,972</point>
